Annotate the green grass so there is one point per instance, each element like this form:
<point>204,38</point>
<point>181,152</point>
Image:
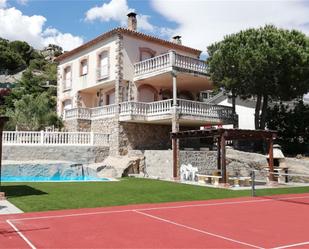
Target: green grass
<point>40,196</point>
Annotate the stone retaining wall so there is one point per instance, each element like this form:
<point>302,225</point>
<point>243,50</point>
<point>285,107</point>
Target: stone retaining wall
<point>138,136</point>
<point>77,125</point>
<point>79,154</point>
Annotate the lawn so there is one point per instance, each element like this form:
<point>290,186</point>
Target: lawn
<point>40,196</point>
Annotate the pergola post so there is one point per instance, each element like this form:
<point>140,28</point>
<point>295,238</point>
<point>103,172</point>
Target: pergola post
<point>223,159</point>
<point>3,120</point>
<point>175,157</point>
<point>219,153</point>
<point>271,160</point>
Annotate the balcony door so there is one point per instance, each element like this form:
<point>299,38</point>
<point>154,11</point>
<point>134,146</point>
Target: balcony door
<point>110,98</point>
<point>147,94</point>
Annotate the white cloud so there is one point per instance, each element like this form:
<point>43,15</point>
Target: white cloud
<point>3,3</point>
<point>117,10</point>
<point>15,25</point>
<point>201,23</point>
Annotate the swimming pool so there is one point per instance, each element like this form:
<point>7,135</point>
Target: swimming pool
<point>52,179</point>
<point>49,172</point>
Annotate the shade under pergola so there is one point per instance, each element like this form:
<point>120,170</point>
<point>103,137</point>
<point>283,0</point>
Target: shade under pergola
<point>221,135</point>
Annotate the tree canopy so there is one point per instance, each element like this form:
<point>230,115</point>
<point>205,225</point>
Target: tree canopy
<point>31,104</point>
<point>267,63</point>
<point>292,124</point>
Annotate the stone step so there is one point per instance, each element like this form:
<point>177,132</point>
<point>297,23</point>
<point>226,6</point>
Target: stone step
<point>2,196</point>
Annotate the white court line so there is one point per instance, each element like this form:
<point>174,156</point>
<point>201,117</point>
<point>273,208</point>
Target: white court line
<point>292,245</point>
<point>159,208</point>
<point>21,235</point>
<point>198,230</point>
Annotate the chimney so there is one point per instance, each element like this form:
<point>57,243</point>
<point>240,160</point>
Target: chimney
<point>177,39</point>
<point>132,23</point>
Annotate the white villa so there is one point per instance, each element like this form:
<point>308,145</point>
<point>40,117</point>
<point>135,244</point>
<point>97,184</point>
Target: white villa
<point>135,87</point>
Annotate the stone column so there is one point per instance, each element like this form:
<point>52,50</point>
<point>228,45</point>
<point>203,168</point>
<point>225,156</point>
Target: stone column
<point>115,143</point>
<point>175,128</point>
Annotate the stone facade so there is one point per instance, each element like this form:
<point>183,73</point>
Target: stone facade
<point>108,126</point>
<point>77,125</point>
<point>78,154</point>
<point>139,136</point>
<point>156,163</point>
<point>205,161</point>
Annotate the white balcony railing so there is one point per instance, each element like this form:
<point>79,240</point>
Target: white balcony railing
<point>54,138</point>
<point>152,110</point>
<point>78,113</point>
<point>103,111</point>
<point>194,108</point>
<point>170,60</point>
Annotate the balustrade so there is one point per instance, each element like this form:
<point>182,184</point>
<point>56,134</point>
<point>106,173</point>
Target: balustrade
<point>170,59</point>
<point>54,138</point>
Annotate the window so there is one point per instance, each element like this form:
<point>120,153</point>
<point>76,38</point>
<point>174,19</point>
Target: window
<point>67,78</point>
<point>83,67</point>
<point>103,70</point>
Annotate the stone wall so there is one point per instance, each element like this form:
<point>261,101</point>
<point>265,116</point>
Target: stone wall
<point>78,154</point>
<point>156,163</point>
<point>138,136</point>
<point>77,125</point>
<point>108,126</point>
<point>205,161</point>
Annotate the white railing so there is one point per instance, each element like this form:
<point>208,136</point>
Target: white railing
<point>131,107</point>
<point>54,138</point>
<point>160,107</point>
<point>171,60</point>
<point>190,63</point>
<point>157,108</point>
<point>77,113</point>
<point>195,108</point>
<point>103,111</point>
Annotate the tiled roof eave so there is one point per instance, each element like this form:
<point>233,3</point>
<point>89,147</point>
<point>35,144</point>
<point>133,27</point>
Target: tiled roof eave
<point>125,31</point>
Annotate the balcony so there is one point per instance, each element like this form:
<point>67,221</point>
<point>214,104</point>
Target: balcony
<point>168,62</point>
<point>190,112</point>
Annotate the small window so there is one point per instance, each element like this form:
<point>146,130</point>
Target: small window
<point>67,78</point>
<point>83,67</point>
<point>103,70</point>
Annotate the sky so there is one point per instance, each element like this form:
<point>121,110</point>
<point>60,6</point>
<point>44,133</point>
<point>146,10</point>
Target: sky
<point>70,23</point>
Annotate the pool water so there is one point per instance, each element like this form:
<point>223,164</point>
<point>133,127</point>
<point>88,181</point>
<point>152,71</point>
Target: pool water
<point>51,179</point>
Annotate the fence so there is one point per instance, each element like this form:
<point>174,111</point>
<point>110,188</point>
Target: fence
<point>54,138</point>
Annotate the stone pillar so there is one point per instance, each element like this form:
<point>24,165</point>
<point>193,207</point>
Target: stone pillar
<point>115,142</point>
<point>175,128</point>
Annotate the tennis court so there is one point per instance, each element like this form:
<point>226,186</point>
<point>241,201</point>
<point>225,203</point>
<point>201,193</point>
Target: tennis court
<point>280,221</point>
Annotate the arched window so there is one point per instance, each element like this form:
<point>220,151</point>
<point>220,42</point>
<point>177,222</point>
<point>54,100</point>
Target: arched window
<point>147,93</point>
<point>67,75</point>
<point>103,67</point>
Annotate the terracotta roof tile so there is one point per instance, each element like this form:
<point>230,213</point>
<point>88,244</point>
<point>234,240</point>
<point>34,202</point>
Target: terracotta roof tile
<point>132,33</point>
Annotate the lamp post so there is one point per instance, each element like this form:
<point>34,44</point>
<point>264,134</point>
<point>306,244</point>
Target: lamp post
<point>3,120</point>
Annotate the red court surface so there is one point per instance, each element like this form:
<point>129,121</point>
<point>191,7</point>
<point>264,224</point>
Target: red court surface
<point>260,222</point>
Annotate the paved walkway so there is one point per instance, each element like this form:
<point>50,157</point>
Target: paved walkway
<point>8,208</point>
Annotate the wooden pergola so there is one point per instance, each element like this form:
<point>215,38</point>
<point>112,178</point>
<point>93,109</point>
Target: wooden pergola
<point>222,135</point>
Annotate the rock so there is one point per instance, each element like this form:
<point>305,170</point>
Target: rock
<point>297,166</point>
<point>117,166</point>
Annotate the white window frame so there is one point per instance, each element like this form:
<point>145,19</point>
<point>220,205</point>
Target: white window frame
<point>101,76</point>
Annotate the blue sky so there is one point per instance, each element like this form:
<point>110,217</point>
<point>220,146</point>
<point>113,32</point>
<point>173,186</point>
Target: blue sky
<point>70,23</point>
